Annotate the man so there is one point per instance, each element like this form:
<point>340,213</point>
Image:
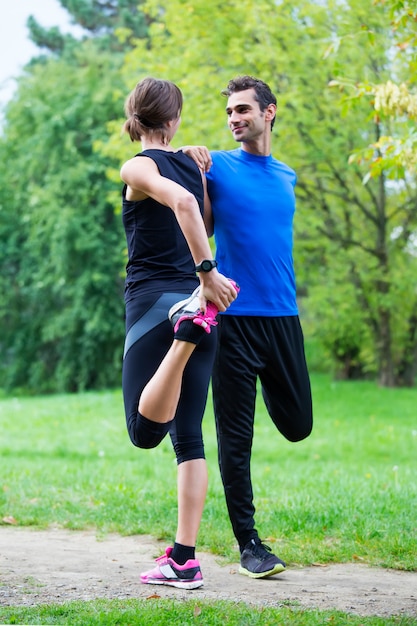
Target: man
<point>253,204</point>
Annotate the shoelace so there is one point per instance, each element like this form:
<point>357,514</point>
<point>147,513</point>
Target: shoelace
<point>260,548</point>
<point>162,559</point>
<point>209,320</point>
<point>204,321</point>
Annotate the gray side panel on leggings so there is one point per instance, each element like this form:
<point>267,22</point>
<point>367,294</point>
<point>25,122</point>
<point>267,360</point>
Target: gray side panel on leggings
<point>156,315</point>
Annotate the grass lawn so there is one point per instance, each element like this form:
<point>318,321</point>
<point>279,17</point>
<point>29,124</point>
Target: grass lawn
<point>347,493</point>
<point>190,613</point>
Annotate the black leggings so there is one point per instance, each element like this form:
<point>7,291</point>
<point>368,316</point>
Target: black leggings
<point>148,339</point>
<point>273,350</point>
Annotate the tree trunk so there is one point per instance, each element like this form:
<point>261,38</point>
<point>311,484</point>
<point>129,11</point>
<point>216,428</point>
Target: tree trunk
<point>407,369</point>
<point>386,374</point>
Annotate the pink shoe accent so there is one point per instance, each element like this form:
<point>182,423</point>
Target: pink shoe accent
<point>188,309</point>
<point>182,319</point>
<point>208,319</point>
<point>168,572</point>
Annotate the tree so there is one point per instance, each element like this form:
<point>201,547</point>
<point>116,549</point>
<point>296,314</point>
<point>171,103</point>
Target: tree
<point>61,150</point>
<point>110,22</point>
<point>62,253</point>
<point>394,102</point>
<point>355,237</point>
<point>389,159</point>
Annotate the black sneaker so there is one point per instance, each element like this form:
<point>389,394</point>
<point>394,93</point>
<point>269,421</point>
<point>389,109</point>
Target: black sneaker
<point>257,560</point>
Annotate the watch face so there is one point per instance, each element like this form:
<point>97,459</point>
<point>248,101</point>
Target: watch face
<point>206,265</point>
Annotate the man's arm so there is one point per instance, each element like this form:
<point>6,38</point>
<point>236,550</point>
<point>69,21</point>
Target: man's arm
<point>202,157</point>
<point>208,213</point>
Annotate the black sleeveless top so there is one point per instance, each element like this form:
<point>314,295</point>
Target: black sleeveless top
<point>159,258</point>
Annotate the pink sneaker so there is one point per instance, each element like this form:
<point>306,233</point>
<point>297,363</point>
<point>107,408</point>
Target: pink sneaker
<point>189,309</point>
<point>167,572</point>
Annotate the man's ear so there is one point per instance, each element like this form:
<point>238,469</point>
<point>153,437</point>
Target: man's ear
<point>270,112</point>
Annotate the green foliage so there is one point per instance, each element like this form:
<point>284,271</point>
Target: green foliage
<point>101,19</point>
<point>62,260</point>
<point>62,247</point>
<point>62,252</point>
<point>387,165</point>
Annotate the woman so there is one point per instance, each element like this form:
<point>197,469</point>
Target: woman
<point>166,371</point>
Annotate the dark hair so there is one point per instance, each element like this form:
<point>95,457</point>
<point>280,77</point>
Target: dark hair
<point>151,104</point>
<point>263,93</point>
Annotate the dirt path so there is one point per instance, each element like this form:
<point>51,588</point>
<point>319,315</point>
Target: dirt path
<point>58,566</point>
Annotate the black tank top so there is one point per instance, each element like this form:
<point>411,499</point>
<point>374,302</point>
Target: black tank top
<point>159,258</point>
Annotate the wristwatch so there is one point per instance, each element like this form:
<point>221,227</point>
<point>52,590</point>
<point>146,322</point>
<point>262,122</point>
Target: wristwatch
<point>206,266</point>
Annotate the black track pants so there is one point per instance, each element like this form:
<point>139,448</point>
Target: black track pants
<point>273,350</point>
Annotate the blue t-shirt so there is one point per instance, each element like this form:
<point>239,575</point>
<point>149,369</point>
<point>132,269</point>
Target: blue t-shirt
<point>253,205</point>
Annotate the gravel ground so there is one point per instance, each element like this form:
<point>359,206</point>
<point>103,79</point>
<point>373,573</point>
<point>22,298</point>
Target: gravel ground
<point>56,566</point>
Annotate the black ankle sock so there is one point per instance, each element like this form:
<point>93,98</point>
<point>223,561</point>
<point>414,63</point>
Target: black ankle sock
<point>188,331</point>
<point>181,554</point>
